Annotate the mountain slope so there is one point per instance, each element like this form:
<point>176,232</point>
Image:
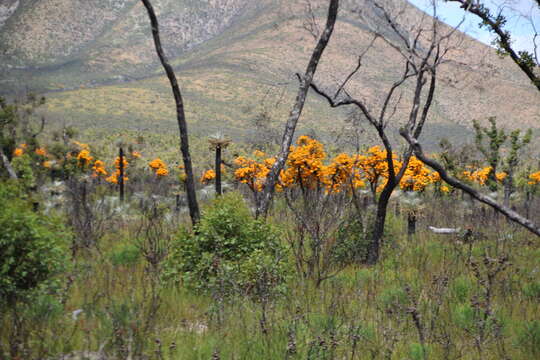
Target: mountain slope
<point>235,59</point>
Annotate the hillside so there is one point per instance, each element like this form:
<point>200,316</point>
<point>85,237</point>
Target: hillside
<point>235,59</point>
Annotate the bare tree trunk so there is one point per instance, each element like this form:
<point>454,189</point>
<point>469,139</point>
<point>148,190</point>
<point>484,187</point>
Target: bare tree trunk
<point>121,177</point>
<point>509,213</point>
<point>180,114</point>
<point>373,250</point>
<point>305,83</point>
<point>218,170</point>
<point>508,184</point>
<point>411,224</point>
<point>7,165</point>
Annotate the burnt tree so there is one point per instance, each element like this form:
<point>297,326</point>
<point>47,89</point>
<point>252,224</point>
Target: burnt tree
<point>194,211</point>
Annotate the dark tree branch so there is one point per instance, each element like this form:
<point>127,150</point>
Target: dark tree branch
<point>510,214</point>
<point>296,111</point>
<point>406,74</point>
<point>12,174</point>
<point>41,128</point>
<point>358,65</point>
<point>180,114</point>
<point>505,42</point>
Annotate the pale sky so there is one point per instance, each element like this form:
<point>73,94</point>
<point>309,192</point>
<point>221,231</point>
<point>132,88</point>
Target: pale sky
<point>519,26</point>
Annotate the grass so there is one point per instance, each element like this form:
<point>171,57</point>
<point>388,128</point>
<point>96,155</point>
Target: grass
<point>362,313</point>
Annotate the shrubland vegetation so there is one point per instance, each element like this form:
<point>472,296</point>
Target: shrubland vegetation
<point>360,251</point>
<point>86,275</point>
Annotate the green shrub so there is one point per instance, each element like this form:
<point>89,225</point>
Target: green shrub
<point>229,250</point>
<point>351,243</point>
<point>464,316</point>
<point>31,246</point>
<point>23,166</point>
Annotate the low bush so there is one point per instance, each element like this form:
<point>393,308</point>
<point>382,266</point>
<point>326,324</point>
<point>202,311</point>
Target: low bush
<point>32,247</point>
<point>229,250</point>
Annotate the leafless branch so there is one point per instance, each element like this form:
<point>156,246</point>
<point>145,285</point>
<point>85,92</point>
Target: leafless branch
<point>358,65</point>
<point>305,82</point>
<point>504,38</point>
<point>509,213</point>
<point>310,23</point>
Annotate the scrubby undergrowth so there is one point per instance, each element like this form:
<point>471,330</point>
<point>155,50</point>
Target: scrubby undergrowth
<point>430,296</point>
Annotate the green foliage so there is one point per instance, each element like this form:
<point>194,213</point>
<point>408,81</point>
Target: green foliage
<point>528,339</point>
<point>532,290</point>
<point>464,316</point>
<point>495,140</point>
<point>23,167</point>
<point>125,255</point>
<point>417,351</point>
<point>461,289</point>
<point>393,298</point>
<point>491,149</point>
<point>229,249</point>
<point>351,243</point>
<point>32,247</point>
<point>43,308</point>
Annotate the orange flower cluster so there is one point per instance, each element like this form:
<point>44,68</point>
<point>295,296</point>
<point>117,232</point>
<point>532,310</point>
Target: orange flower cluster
<point>18,152</point>
<point>534,178</point>
<point>136,154</point>
<point>84,158</point>
<point>417,176</point>
<point>159,167</point>
<point>252,172</point>
<point>99,169</point>
<point>343,169</point>
<point>41,151</point>
<point>208,176</point>
<point>113,179</point>
<point>305,167</point>
<point>480,176</point>
<point>374,167</point>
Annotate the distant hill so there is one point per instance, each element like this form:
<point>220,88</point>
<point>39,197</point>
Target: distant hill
<point>236,59</point>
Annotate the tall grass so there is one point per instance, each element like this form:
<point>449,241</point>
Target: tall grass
<point>430,297</point>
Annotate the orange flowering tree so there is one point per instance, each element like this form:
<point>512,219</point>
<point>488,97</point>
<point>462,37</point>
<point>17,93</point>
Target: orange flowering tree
<point>315,192</point>
<point>253,172</point>
<point>374,168</point>
<point>84,158</point>
<point>530,185</point>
